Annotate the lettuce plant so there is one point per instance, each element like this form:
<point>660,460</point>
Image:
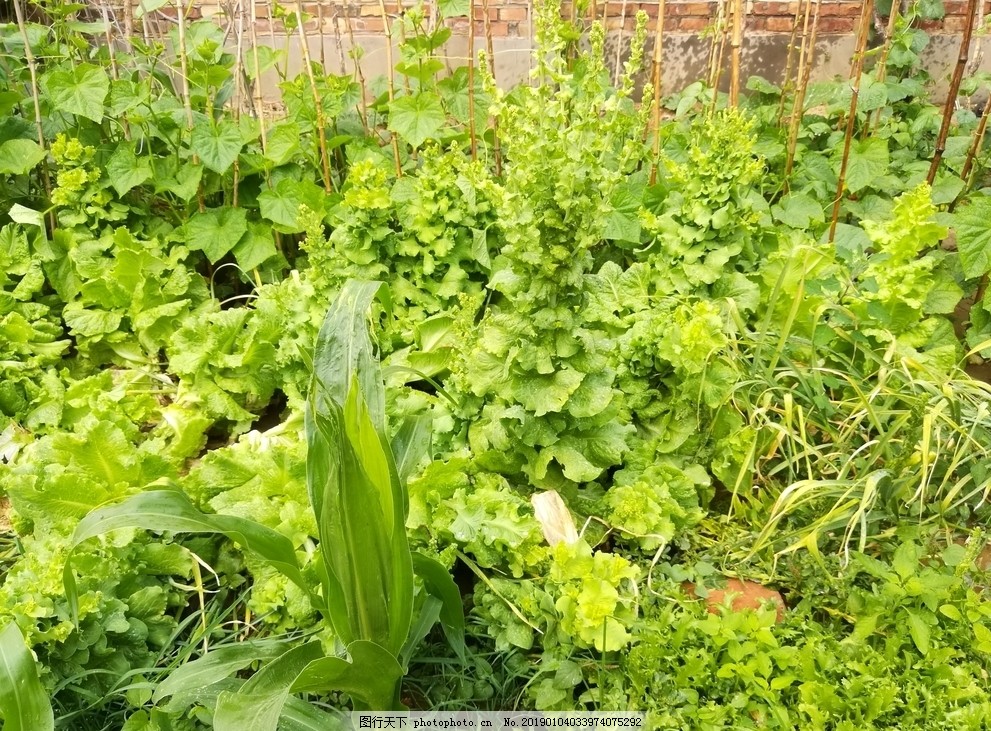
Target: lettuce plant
<point>366,591</point>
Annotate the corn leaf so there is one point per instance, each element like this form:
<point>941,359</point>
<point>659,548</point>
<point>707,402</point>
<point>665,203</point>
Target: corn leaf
<point>171,510</point>
<point>23,701</point>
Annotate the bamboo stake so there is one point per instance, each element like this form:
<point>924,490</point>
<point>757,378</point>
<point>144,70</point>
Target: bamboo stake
<point>322,39</point>
<point>128,25</point>
<point>882,64</point>
<point>734,87</point>
<point>976,144</point>
<point>619,42</point>
<point>256,90</point>
<point>304,44</point>
<point>802,9</point>
<point>798,105</point>
<point>36,98</point>
<point>655,122</point>
<point>338,42</point>
<point>718,65</point>
<point>114,70</point>
<point>489,45</point>
<point>238,84</point>
<point>184,65</point>
<point>717,25</point>
<point>471,80</point>
<point>358,73</point>
<point>951,98</point>
<point>858,68</point>
<point>392,81</point>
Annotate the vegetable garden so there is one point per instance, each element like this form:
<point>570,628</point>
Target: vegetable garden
<point>426,393</point>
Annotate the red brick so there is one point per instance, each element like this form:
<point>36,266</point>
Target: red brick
<point>836,25</point>
<point>512,14</point>
<point>847,10</point>
<point>703,9</point>
<point>955,23</point>
<point>693,24</point>
<point>955,7</point>
<point>757,24</point>
<point>770,8</point>
<point>780,24</point>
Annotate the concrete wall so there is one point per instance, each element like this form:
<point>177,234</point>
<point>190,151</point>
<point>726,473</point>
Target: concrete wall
<point>688,30</point>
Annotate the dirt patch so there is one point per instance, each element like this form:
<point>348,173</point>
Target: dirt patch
<point>5,524</point>
<point>742,594</point>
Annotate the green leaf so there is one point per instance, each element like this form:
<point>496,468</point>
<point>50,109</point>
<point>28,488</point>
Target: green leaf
<point>215,666</point>
<point>370,672</point>
<point>26,216</point>
<point>417,117</point>
<point>280,204</point>
<point>438,583</point>
<point>411,444</point>
<point>798,210</point>
<point>344,348</point>
<point>622,223</point>
<point>23,701</point>
<point>258,704</point>
<point>974,237</point>
<point>216,231</point>
<point>18,157</point>
<point>453,8</point>
<point>126,170</point>
<point>217,144</point>
<point>950,611</point>
<point>868,161</point>
<point>255,248</point>
<point>543,394</point>
<point>90,323</point>
<point>171,510</point>
<point>80,91</point>
<point>919,631</point>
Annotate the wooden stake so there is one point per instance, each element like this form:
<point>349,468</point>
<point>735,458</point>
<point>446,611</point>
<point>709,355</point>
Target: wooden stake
<point>256,90</point>
<point>184,64</point>
<point>734,84</point>
<point>798,105</point>
<point>304,44</point>
<point>358,73</point>
<point>655,122</point>
<point>882,64</point>
<point>976,144</point>
<point>718,65</point>
<point>238,87</point>
<point>471,80</point>
<point>496,150</point>
<point>951,98</point>
<point>619,41</point>
<point>391,80</point>
<point>36,98</point>
<point>856,74</point>
<point>801,9</point>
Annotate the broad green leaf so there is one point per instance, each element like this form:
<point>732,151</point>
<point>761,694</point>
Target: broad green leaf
<point>411,445</point>
<point>215,666</point>
<point>80,91</point>
<point>90,323</point>
<point>24,703</point>
<point>280,204</point>
<point>217,144</point>
<point>255,248</point>
<point>18,157</point>
<point>259,703</point>
<point>868,161</point>
<point>171,510</point>
<point>370,673</point>
<point>26,216</point>
<point>148,6</point>
<point>282,143</point>
<point>905,562</point>
<point>622,223</point>
<point>416,117</point>
<point>453,8</point>
<point>216,231</point>
<point>919,631</point>
<point>359,508</point>
<point>544,394</point>
<point>973,226</point>
<point>126,170</point>
<point>438,583</point>
<point>798,210</point>
<point>345,349</point>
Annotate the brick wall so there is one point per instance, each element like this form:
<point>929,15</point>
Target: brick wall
<point>510,18</point>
